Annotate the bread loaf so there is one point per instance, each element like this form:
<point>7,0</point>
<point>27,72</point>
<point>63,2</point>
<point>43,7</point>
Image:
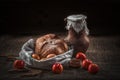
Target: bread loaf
<point>50,44</point>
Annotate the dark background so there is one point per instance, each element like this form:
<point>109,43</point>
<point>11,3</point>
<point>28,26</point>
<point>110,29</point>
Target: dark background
<point>34,17</point>
<point>26,17</point>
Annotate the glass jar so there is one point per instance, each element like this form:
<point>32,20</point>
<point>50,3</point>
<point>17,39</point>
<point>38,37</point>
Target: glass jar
<point>77,33</point>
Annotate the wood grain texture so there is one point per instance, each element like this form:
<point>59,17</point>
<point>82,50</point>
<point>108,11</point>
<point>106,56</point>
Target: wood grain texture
<point>103,50</point>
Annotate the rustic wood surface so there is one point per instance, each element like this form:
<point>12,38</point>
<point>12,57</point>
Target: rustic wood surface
<point>103,50</point>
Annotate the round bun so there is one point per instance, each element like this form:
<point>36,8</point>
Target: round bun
<point>75,63</point>
<point>50,55</point>
<point>50,44</point>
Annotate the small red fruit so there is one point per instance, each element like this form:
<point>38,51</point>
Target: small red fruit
<point>19,64</point>
<point>86,63</point>
<point>57,68</point>
<point>93,68</point>
<point>81,56</point>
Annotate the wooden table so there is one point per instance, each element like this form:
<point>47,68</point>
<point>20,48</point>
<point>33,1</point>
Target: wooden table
<point>103,50</point>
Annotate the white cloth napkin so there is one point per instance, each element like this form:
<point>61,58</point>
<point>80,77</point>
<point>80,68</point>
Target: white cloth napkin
<point>28,49</point>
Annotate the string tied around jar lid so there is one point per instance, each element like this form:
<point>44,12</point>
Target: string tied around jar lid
<point>77,22</point>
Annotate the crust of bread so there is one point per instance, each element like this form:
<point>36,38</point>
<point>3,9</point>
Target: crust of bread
<point>50,44</point>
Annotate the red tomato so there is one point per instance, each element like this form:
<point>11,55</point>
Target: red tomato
<point>93,68</point>
<point>19,64</point>
<point>57,68</point>
<point>86,63</point>
<point>80,56</point>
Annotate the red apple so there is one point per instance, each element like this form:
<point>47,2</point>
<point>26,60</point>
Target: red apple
<point>93,68</point>
<point>57,68</point>
<point>80,56</point>
<point>19,64</point>
<point>86,63</point>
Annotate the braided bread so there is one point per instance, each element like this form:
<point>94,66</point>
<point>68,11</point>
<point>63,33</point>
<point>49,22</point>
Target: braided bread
<point>50,44</point>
